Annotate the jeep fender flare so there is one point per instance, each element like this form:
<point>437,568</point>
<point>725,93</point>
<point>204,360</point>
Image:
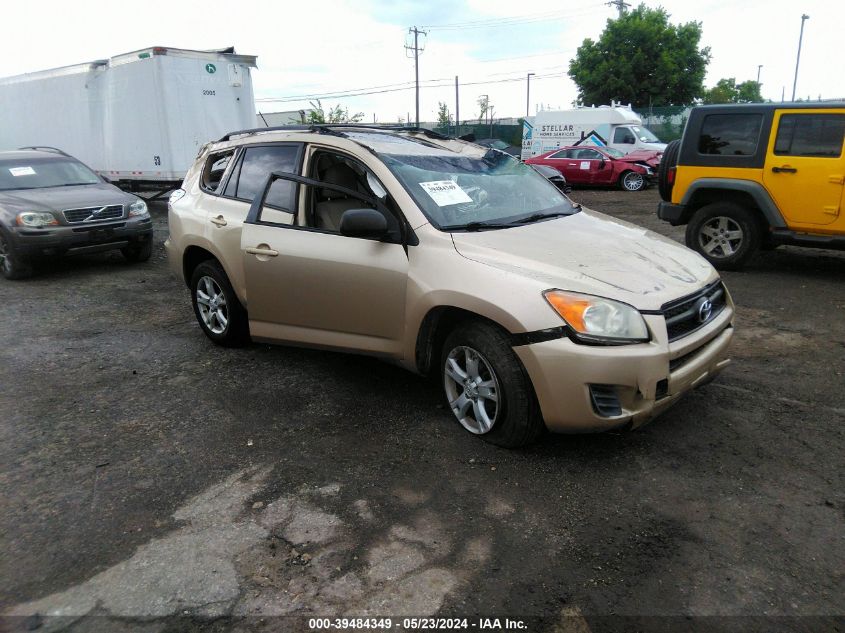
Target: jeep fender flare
<point>755,190</point>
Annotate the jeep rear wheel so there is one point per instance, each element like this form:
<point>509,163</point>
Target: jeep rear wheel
<point>726,234</point>
<point>632,181</point>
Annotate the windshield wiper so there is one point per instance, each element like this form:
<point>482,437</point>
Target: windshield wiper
<point>541,216</point>
<point>65,184</point>
<point>477,226</point>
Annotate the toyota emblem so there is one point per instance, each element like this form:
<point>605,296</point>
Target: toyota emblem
<point>705,309</point>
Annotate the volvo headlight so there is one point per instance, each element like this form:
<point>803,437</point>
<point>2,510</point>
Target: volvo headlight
<point>36,220</point>
<point>598,320</point>
<point>138,209</point>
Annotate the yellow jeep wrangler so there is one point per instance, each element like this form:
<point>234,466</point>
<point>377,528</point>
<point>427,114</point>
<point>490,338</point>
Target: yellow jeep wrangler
<point>749,177</point>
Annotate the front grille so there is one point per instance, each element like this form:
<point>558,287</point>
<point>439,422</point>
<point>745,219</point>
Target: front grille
<point>93,214</point>
<point>684,316</point>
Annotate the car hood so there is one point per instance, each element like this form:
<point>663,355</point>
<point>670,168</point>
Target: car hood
<point>646,156</point>
<point>595,254</point>
<point>58,198</point>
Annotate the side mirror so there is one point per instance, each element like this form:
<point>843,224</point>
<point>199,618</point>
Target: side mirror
<point>363,223</point>
<point>602,163</point>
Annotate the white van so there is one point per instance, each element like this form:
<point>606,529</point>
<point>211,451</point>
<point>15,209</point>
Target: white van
<point>606,126</point>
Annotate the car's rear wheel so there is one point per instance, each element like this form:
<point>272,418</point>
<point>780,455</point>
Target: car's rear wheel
<point>726,234</point>
<point>12,264</point>
<point>218,311</point>
<point>137,253</point>
<point>632,181</point>
<point>487,388</point>
<point>668,161</point>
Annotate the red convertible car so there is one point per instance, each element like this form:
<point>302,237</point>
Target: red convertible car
<point>602,166</point>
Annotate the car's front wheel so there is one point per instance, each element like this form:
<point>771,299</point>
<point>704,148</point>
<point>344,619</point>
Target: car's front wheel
<point>487,388</point>
<point>726,234</point>
<point>218,311</point>
<point>12,264</point>
<point>632,181</point>
<point>137,253</point>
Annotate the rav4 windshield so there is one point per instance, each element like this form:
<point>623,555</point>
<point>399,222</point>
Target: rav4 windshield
<point>456,190</point>
<point>38,173</point>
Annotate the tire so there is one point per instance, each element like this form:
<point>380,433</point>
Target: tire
<point>511,418</point>
<point>217,299</point>
<point>137,253</point>
<point>632,181</point>
<point>725,234</point>
<point>669,160</point>
<point>12,264</point>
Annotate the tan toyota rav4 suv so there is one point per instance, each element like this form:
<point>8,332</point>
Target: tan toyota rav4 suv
<point>449,258</point>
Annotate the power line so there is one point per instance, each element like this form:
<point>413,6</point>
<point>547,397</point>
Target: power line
<point>364,91</point>
<point>509,21</point>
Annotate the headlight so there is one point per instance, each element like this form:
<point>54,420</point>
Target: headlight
<point>36,220</point>
<point>598,320</point>
<point>138,209</point>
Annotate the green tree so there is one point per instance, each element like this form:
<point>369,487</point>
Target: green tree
<point>642,59</point>
<point>337,114</point>
<point>728,91</point>
<point>444,119</point>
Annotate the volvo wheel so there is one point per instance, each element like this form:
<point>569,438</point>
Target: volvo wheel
<point>12,264</point>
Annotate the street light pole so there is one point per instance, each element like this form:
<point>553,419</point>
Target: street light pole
<point>527,93</point>
<point>759,66</point>
<point>804,16</point>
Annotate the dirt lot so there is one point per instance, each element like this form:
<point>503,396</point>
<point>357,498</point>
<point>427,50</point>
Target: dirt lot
<point>153,482</point>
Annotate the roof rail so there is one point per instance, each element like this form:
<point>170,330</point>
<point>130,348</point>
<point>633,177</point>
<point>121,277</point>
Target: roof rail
<point>45,148</point>
<point>318,127</point>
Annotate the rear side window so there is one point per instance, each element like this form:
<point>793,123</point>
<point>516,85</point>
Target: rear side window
<point>810,135</point>
<point>730,134</point>
<point>257,163</point>
<point>215,168</point>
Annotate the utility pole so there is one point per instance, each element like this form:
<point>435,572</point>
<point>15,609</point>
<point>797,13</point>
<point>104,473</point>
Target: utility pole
<point>620,6</point>
<point>759,66</point>
<point>528,94</point>
<point>417,50</point>
<point>457,110</point>
<point>804,16</point>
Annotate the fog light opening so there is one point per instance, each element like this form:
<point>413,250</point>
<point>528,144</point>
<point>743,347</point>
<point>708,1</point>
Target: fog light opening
<point>605,401</point>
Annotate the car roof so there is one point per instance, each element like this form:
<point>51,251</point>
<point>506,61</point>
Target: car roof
<point>28,154</point>
<point>377,139</point>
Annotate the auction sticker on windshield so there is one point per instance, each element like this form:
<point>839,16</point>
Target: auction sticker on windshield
<point>22,171</point>
<point>445,192</point>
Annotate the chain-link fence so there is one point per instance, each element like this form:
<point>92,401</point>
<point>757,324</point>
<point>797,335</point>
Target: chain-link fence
<point>667,122</point>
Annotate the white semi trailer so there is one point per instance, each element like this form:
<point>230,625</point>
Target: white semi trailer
<point>139,118</point>
<point>612,126</point>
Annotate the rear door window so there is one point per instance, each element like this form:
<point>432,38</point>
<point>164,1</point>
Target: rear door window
<point>819,135</point>
<point>256,164</point>
<point>730,134</point>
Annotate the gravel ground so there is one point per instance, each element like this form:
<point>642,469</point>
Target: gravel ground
<point>153,482</point>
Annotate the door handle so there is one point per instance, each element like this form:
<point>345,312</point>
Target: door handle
<point>266,252</point>
<point>219,220</point>
<point>785,169</point>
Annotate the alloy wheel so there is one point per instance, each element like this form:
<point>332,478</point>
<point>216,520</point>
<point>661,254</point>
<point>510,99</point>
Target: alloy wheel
<point>472,389</point>
<point>211,303</point>
<point>720,237</point>
<point>633,181</point>
<point>4,249</point>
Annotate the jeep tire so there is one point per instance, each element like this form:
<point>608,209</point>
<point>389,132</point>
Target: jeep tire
<point>669,160</point>
<point>725,234</point>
